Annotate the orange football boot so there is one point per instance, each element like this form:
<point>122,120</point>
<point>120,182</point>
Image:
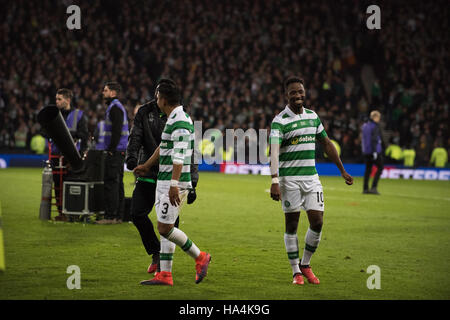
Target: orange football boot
<point>161,278</point>
<point>307,272</point>
<point>201,266</point>
<point>298,279</point>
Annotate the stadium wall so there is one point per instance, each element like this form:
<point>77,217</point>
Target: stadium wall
<point>324,169</point>
<point>356,170</point>
<point>22,160</point>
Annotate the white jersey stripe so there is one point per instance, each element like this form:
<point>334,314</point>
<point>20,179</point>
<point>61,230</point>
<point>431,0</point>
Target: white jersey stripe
<point>298,147</point>
<point>298,163</point>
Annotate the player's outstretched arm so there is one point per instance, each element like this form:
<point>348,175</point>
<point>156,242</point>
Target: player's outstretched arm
<point>275,193</point>
<point>332,153</point>
<point>142,169</point>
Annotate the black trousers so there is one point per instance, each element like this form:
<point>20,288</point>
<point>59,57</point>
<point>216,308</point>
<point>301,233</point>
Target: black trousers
<point>141,205</point>
<point>114,190</point>
<point>379,163</point>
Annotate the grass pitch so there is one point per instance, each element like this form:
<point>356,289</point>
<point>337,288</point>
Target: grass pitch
<point>405,231</point>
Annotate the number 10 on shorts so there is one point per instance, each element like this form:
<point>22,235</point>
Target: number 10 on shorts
<point>319,197</point>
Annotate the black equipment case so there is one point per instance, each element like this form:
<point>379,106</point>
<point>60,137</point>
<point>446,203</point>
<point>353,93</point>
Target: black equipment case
<point>83,198</point>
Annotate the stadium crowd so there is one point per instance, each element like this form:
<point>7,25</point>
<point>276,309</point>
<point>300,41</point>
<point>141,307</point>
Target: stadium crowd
<point>231,58</point>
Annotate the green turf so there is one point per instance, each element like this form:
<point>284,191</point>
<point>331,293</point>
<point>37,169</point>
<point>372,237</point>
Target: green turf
<point>405,232</point>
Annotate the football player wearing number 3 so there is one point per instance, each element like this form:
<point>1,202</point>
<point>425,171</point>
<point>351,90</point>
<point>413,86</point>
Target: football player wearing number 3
<point>173,184</point>
<point>295,181</point>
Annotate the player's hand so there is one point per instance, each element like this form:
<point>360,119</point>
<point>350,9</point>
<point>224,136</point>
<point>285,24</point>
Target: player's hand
<point>140,170</point>
<point>131,163</point>
<point>348,178</point>
<point>174,196</point>
<point>275,193</point>
<point>191,196</point>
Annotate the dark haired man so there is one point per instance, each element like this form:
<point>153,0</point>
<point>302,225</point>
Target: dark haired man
<point>77,124</point>
<point>145,137</point>
<point>174,182</point>
<point>113,139</point>
<point>295,181</point>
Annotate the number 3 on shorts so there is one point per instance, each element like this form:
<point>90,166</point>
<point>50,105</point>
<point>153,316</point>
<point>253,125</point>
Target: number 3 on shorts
<point>165,207</point>
<point>320,197</point>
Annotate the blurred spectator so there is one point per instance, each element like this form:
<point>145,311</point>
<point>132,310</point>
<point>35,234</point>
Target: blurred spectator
<point>423,151</point>
<point>6,141</point>
<point>409,156</point>
<point>230,58</point>
<point>439,156</point>
<point>20,136</point>
<point>38,144</point>
<point>394,153</point>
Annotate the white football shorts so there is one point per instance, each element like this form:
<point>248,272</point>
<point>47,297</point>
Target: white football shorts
<point>165,212</point>
<point>302,195</point>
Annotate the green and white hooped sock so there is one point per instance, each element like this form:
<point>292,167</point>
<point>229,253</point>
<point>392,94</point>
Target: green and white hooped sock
<point>180,238</point>
<point>291,244</point>
<point>312,240</point>
<point>166,254</point>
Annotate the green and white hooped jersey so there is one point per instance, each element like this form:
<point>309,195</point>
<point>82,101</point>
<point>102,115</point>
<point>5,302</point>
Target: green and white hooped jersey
<point>296,134</point>
<point>177,143</point>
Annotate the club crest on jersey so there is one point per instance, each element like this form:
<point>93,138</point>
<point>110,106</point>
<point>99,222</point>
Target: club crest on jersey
<point>311,122</point>
<point>287,204</point>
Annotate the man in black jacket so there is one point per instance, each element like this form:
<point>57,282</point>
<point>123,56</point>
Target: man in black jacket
<point>145,137</point>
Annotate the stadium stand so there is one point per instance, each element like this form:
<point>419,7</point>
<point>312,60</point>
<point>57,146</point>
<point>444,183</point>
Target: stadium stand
<point>230,58</point>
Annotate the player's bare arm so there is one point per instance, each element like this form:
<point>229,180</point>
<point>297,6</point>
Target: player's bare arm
<point>174,195</point>
<point>332,153</point>
<point>275,193</point>
<point>142,169</point>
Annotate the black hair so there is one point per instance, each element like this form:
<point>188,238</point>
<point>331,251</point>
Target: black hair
<point>168,90</point>
<point>114,86</point>
<point>66,93</point>
<point>168,81</point>
<point>292,79</point>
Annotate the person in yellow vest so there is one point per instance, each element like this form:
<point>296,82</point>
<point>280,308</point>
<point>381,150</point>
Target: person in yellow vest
<point>227,155</point>
<point>394,152</point>
<point>20,136</point>
<point>37,144</point>
<point>206,147</point>
<point>439,156</point>
<point>409,156</point>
